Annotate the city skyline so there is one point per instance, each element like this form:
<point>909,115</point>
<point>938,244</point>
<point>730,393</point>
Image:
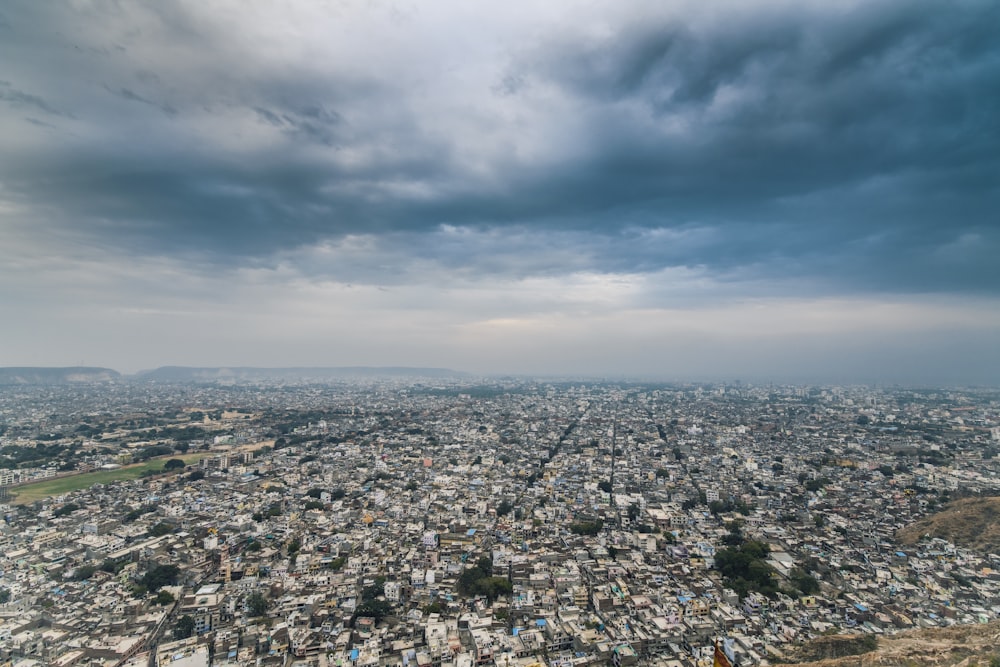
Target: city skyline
<point>755,191</point>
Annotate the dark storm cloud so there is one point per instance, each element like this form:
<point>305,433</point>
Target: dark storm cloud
<point>853,148</point>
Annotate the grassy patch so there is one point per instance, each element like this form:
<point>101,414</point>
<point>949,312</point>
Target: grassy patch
<point>53,487</point>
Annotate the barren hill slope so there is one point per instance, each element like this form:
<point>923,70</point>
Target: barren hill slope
<point>973,523</point>
<point>957,646</point>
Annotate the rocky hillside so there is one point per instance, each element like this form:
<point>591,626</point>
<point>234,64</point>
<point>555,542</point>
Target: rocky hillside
<point>973,523</point>
<point>958,646</point>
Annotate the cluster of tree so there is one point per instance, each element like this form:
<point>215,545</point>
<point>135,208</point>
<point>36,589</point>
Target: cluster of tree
<point>815,485</point>
<point>335,494</point>
<point>256,604</point>
<point>717,507</point>
<point>586,527</point>
<point>68,508</point>
<point>84,572</point>
<point>371,605</point>
<point>273,510</point>
<point>153,451</point>
<point>479,580</point>
<point>159,576</point>
<point>745,568</point>
<point>160,529</point>
<point>113,566</point>
<point>138,512</point>
<point>691,503</point>
<point>18,456</point>
<point>803,581</point>
<point>181,434</point>
<point>184,627</point>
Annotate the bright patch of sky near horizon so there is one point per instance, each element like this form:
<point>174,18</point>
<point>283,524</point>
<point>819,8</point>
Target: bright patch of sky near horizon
<point>755,190</point>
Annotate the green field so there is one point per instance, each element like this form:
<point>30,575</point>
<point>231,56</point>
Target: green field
<point>53,487</point>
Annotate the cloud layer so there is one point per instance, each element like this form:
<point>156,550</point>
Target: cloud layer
<point>586,164</point>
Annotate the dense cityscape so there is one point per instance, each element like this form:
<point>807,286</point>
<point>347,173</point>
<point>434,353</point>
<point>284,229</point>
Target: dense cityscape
<point>458,522</point>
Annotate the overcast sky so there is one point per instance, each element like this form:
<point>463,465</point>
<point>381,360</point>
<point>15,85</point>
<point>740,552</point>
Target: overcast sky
<point>803,191</point>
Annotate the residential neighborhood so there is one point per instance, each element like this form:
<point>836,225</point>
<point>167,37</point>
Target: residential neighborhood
<point>495,522</point>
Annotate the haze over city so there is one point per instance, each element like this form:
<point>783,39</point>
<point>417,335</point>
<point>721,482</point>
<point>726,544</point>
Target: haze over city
<point>735,190</point>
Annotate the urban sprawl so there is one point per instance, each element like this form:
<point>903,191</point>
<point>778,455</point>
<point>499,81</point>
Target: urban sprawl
<point>457,523</point>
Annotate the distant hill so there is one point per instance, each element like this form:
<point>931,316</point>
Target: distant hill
<point>20,375</point>
<point>973,523</point>
<point>249,373</point>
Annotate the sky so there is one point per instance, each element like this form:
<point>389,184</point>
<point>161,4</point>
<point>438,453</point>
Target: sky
<point>756,190</point>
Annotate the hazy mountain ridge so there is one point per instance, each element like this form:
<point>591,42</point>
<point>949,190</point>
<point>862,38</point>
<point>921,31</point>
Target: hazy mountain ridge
<point>212,373</point>
<point>17,375</point>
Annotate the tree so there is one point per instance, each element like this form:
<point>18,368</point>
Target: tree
<point>804,581</point>
<point>377,609</point>
<point>605,486</point>
<point>586,527</point>
<point>68,508</point>
<point>256,604</point>
<point>745,568</point>
<point>174,464</point>
<point>196,475</point>
<point>112,566</point>
<point>84,572</point>
<point>159,576</point>
<point>374,590</point>
<point>4,595</point>
<point>164,598</point>
<point>184,627</point>
<point>160,529</point>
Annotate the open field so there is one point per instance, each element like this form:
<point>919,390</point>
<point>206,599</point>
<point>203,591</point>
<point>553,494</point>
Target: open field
<point>53,487</point>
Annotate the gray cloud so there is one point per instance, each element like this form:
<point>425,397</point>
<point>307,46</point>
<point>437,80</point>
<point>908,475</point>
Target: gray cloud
<point>19,99</point>
<point>746,150</point>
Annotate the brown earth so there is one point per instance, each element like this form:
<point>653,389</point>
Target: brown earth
<point>957,646</point>
<point>973,523</point>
